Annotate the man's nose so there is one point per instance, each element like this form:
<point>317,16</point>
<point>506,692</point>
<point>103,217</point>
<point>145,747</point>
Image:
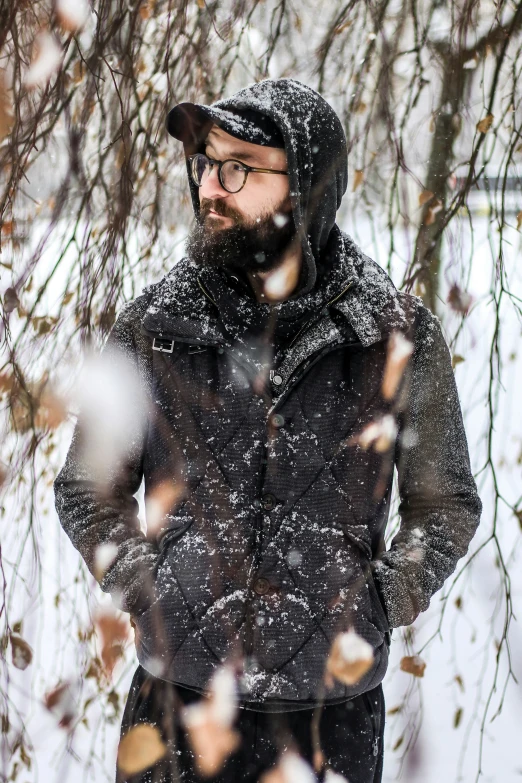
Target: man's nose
<point>212,187</point>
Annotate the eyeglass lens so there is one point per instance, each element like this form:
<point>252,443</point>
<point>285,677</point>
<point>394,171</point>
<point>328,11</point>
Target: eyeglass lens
<point>232,178</point>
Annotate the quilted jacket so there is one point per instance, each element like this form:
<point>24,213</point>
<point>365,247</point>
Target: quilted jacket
<point>275,541</point>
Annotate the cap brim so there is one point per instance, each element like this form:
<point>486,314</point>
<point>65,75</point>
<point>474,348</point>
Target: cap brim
<point>191,123</point>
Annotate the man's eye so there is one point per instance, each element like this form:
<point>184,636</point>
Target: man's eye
<point>237,166</point>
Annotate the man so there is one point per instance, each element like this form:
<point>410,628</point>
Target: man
<point>274,357</point>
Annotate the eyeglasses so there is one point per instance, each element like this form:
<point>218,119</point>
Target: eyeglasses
<point>232,174</point>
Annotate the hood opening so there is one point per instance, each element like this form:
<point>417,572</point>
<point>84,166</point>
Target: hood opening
<point>316,150</point>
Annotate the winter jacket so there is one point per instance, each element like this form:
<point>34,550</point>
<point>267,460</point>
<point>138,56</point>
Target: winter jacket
<point>276,542</point>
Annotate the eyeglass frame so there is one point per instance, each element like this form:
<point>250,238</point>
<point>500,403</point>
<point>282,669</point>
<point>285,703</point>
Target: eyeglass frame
<point>221,163</point>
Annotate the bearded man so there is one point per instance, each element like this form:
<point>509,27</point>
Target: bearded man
<point>288,379</point>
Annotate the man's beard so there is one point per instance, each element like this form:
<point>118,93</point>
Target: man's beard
<point>247,247</point>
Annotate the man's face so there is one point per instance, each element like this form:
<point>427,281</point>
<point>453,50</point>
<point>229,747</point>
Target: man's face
<point>262,194</point>
<point>250,229</point>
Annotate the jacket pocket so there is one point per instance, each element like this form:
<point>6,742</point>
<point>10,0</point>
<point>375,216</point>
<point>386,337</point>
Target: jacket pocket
<point>172,533</point>
<point>372,712</point>
<point>380,614</point>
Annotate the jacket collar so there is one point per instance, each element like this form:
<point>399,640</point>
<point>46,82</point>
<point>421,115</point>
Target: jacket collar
<point>182,309</point>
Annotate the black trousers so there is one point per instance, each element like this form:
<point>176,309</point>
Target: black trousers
<point>351,735</point>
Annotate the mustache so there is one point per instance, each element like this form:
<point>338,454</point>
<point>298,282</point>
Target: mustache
<point>220,207</point>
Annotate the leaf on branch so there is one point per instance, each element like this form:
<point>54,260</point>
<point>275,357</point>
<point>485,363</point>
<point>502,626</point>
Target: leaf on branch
<point>104,556</point>
<point>471,64</point>
<point>11,301</point>
<point>21,652</point>
<point>6,382</point>
<point>146,9</point>
<point>209,723</point>
<point>459,300</point>
<point>358,178</point>
<point>42,324</point>
<point>6,107</point>
<point>350,658</point>
<point>62,703</point>
<point>47,60</point>
<point>140,748</point>
<point>519,221</point>
<point>457,359</point>
<point>398,743</point>
<point>413,664</point>
<point>518,515</point>
<point>379,434</point>
<point>72,14</point>
<point>291,768</point>
<point>433,210</point>
<point>457,718</point>
<point>342,27</point>
<point>425,196</point>
<point>485,124</point>
<point>114,632</point>
<point>398,353</point>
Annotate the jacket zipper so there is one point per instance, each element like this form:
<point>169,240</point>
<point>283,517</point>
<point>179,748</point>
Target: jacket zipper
<point>375,741</point>
<point>310,364</point>
<point>316,319</point>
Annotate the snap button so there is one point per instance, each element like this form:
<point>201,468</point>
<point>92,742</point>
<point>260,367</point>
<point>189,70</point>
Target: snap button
<point>220,350</point>
<point>268,502</point>
<point>261,586</point>
<point>278,420</point>
<point>277,380</point>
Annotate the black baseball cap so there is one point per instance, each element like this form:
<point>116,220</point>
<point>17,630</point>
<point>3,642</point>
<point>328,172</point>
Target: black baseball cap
<point>191,123</point>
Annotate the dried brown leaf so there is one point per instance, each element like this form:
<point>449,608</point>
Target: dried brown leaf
<point>21,652</point>
<point>457,718</point>
<point>379,434</point>
<point>6,107</point>
<point>51,411</point>
<point>358,178</point>
<point>456,359</point>
<point>350,658</point>
<point>11,301</point>
<point>398,353</point>
<point>425,196</point>
<point>342,27</point>
<point>291,768</point>
<point>413,664</point>
<point>485,124</point>
<point>114,631</point>
<point>62,703</point>
<point>211,741</point>
<point>519,221</point>
<point>459,300</point>
<point>140,748</point>
<point>162,500</point>
<point>432,211</point>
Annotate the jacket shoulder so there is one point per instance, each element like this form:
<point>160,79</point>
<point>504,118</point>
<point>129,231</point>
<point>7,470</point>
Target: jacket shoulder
<point>420,318</point>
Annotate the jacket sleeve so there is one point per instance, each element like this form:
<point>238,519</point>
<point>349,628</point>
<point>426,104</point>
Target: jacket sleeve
<point>92,516</point>
<point>439,505</point>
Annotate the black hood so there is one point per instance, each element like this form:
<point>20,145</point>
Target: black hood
<point>315,146</point>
